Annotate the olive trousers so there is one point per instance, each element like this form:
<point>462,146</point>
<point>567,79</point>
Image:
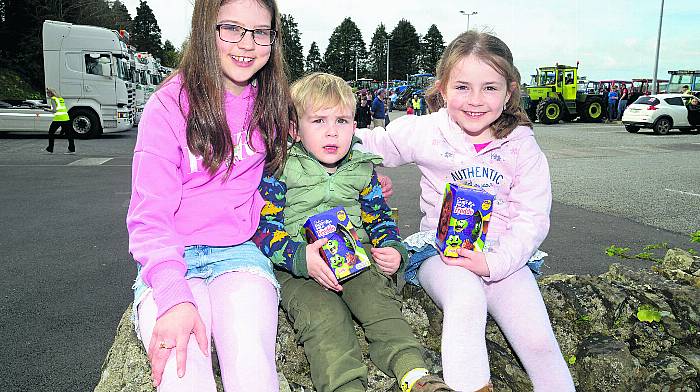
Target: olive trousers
<point>323,321</point>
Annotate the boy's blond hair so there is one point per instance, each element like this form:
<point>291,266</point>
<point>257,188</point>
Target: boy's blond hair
<point>321,90</point>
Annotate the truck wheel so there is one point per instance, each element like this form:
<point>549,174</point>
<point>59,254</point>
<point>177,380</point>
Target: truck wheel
<point>592,110</point>
<point>631,128</point>
<point>662,126</point>
<point>550,111</point>
<point>85,123</point>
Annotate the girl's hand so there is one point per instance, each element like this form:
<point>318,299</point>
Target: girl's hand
<point>172,331</point>
<point>386,184</point>
<point>473,261</point>
<point>388,259</point>
<point>318,269</point>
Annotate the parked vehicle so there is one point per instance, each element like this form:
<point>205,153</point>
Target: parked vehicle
<point>681,78</point>
<point>660,112</point>
<point>147,76</point>
<point>643,87</point>
<point>555,96</point>
<point>25,116</point>
<point>607,84</point>
<point>88,66</point>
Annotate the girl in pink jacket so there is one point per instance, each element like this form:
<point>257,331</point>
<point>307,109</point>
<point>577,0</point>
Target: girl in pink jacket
<point>204,139</point>
<point>478,135</point>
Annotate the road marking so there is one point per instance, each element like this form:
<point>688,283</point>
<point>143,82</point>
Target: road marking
<point>682,192</point>
<point>89,162</point>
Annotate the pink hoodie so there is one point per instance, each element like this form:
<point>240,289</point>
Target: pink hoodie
<point>175,202</point>
<point>514,169</point>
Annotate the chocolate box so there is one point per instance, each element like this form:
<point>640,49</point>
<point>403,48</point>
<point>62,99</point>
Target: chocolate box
<point>343,252</point>
<point>464,219</point>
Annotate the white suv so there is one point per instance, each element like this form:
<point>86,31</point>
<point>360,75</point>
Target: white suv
<point>661,112</point>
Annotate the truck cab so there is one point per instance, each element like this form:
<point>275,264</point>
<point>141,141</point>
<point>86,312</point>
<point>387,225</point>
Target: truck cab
<point>89,67</point>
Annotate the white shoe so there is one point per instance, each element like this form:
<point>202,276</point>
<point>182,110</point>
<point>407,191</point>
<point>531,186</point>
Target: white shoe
<point>69,153</point>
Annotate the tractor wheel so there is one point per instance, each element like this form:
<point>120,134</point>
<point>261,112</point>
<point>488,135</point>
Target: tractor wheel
<point>592,110</point>
<point>550,111</point>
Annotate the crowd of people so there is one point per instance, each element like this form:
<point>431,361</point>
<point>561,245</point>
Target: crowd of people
<point>373,108</point>
<point>617,98</point>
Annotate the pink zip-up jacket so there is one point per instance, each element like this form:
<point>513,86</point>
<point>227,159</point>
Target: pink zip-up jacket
<point>514,169</point>
<point>175,202</point>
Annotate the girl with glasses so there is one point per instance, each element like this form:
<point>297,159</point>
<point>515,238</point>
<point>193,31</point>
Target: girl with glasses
<point>204,139</point>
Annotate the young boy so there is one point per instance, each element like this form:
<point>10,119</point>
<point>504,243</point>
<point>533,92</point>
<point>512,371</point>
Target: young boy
<point>325,169</point>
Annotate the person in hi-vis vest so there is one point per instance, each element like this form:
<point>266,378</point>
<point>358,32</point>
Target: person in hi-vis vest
<point>60,120</point>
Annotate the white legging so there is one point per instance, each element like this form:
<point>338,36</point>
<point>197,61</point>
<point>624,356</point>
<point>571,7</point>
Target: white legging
<point>240,310</point>
<point>515,303</point>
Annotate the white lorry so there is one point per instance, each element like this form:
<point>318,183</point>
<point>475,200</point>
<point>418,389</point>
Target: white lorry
<point>146,78</point>
<point>88,66</point>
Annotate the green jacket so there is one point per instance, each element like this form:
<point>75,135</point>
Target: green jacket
<point>311,190</point>
<point>305,188</point>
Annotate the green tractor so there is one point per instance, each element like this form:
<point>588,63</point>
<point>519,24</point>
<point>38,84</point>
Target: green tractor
<point>553,96</point>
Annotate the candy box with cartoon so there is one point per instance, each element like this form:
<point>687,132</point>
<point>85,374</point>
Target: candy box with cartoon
<point>464,219</point>
<point>343,252</point>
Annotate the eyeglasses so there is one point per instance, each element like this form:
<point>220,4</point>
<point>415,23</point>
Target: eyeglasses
<point>233,34</point>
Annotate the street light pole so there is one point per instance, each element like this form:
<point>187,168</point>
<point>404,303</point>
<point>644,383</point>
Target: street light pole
<point>387,62</point>
<point>468,15</point>
<point>355,67</point>
<point>658,45</point>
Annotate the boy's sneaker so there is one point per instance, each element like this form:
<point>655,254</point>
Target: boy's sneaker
<point>430,383</point>
<point>48,150</point>
<point>69,152</point>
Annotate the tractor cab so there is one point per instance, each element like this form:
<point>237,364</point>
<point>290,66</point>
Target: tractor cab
<point>555,95</point>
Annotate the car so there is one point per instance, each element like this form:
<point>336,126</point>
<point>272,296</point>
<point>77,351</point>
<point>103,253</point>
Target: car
<point>660,112</point>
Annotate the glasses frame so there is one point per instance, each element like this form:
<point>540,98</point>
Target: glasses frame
<point>273,34</point>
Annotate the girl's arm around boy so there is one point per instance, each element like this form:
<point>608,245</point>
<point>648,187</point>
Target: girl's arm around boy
<point>395,144</point>
<point>387,250</point>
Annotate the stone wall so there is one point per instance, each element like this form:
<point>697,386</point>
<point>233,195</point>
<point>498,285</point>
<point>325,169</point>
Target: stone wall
<point>597,321</point>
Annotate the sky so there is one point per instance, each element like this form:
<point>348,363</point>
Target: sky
<point>611,39</point>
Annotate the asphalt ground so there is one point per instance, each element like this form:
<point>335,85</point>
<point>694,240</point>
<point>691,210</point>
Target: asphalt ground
<point>67,272</point>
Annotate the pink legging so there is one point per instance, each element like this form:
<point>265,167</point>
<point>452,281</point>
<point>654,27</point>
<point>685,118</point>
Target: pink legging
<point>515,303</point>
<point>240,310</point>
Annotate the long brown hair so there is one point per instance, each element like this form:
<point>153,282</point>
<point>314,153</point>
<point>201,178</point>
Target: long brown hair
<point>494,52</point>
<point>208,133</point>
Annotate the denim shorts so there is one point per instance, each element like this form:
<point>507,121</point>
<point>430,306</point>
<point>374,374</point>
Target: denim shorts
<point>208,262</point>
<point>421,246</point>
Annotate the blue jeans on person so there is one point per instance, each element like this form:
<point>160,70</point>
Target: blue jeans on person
<point>612,110</point>
<point>621,108</point>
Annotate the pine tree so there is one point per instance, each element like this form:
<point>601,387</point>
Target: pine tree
<point>20,40</point>
<point>292,49</point>
<point>121,19</point>
<point>377,53</point>
<point>403,50</point>
<point>145,33</point>
<point>432,47</point>
<point>345,43</point>
<point>314,62</point>
<point>170,56</point>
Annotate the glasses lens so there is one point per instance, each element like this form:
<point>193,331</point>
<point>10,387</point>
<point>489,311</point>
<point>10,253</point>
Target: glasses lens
<point>264,36</point>
<point>230,33</point>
